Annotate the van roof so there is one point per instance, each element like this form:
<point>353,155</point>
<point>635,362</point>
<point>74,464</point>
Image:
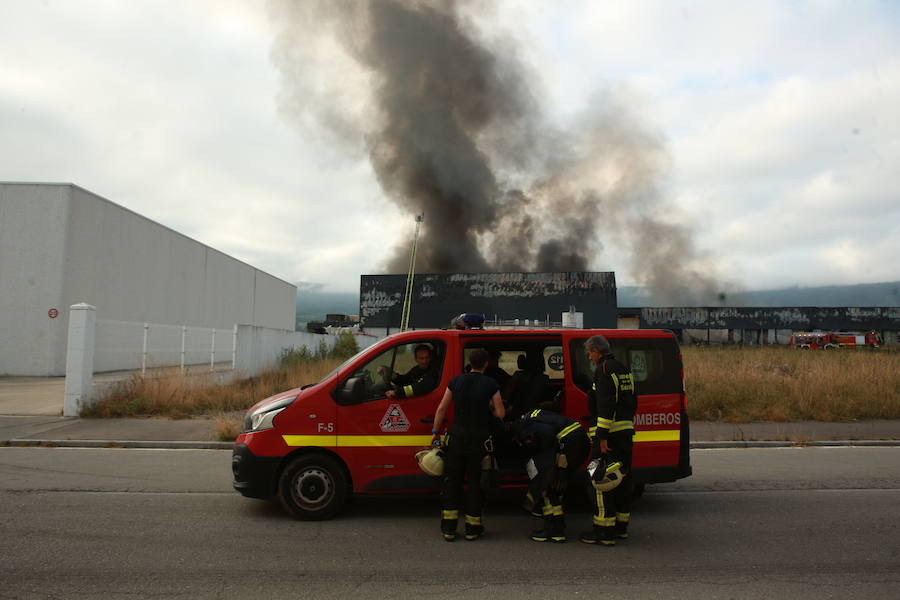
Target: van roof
<point>540,332</point>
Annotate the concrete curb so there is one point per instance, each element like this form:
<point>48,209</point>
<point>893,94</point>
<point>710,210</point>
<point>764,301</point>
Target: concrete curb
<point>171,445</point>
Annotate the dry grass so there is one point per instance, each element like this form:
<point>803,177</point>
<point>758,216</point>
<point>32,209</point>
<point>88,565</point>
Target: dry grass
<point>180,397</point>
<point>728,384</point>
<point>228,425</point>
<point>736,384</point>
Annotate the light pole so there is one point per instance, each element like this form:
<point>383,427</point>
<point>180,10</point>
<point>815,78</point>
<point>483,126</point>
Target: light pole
<point>407,297</point>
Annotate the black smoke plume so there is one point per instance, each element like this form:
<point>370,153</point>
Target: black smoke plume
<point>451,123</point>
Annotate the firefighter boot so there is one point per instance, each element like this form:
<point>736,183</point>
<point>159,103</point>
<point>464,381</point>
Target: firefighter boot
<point>544,534</point>
<point>558,533</point>
<point>604,536</point>
<point>474,528</point>
<point>448,524</point>
<point>622,525</point>
<point>608,536</point>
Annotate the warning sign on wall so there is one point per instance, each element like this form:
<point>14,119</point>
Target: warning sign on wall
<point>394,420</point>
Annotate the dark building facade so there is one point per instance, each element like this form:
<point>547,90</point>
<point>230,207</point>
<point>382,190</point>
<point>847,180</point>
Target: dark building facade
<point>436,299</point>
<point>801,319</point>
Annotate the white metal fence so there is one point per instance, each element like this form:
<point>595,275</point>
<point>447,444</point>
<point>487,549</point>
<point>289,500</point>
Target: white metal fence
<point>129,345</point>
<point>104,345</point>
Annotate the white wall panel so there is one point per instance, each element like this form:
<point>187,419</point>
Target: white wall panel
<point>61,245</point>
<point>32,243</point>
<point>270,295</point>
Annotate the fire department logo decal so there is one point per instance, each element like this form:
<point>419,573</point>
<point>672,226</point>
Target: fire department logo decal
<point>394,420</point>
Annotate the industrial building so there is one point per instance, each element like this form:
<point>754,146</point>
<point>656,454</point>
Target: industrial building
<point>530,298</point>
<point>762,325</point>
<point>541,299</point>
<point>61,245</point>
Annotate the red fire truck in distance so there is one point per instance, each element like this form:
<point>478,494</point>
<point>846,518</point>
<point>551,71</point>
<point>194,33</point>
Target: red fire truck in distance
<point>821,340</point>
<point>312,447</point>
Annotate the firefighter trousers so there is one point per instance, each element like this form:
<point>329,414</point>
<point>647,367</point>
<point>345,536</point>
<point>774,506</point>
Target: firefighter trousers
<point>557,471</point>
<point>614,507</point>
<point>461,486</point>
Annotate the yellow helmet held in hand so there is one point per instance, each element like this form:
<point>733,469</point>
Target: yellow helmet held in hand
<point>605,476</point>
<point>431,461</point>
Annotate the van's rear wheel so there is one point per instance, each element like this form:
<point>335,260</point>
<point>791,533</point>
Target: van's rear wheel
<point>313,487</point>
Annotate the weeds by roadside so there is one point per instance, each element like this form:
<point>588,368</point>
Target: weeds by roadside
<point>729,384</point>
<point>228,425</point>
<point>781,384</point>
<point>183,397</point>
<point>179,397</point>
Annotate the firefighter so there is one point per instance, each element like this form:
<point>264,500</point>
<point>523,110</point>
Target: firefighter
<point>612,403</point>
<point>476,402</point>
<point>419,380</point>
<point>559,447</point>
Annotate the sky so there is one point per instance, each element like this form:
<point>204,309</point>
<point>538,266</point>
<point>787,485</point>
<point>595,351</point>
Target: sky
<point>779,120</point>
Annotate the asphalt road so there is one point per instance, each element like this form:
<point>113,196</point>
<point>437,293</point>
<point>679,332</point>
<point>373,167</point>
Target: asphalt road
<point>751,523</point>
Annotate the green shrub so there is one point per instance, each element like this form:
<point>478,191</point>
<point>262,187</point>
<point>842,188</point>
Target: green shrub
<point>345,346</point>
<point>291,357</point>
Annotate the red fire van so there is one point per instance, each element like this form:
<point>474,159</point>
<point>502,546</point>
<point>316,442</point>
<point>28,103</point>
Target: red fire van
<point>314,446</point>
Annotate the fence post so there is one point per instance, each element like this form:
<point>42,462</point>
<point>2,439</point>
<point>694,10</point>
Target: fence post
<point>79,358</point>
<point>183,336</point>
<point>144,350</point>
<point>212,351</point>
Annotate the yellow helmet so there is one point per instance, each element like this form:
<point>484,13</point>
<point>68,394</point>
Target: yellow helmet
<point>605,476</point>
<point>431,461</point>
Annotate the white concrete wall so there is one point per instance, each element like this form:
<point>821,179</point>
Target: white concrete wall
<point>32,250</point>
<point>260,348</point>
<point>61,245</point>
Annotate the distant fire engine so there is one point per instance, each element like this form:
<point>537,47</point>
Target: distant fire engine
<point>824,340</point>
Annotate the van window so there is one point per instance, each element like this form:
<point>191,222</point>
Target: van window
<point>529,371</point>
<point>652,361</point>
<point>371,380</point>
<point>553,358</point>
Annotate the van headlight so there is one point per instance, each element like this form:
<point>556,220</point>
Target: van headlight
<point>264,416</point>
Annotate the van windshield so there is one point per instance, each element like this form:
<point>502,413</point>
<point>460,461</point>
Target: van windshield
<point>342,365</point>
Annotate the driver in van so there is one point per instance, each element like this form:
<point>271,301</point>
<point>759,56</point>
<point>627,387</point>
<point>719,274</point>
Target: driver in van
<point>419,380</point>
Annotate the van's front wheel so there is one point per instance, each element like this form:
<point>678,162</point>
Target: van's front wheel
<point>313,487</point>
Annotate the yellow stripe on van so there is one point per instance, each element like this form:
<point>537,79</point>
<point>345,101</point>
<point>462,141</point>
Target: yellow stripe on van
<point>357,441</point>
<point>376,441</point>
<point>663,435</point>
<point>366,441</point>
<point>329,441</point>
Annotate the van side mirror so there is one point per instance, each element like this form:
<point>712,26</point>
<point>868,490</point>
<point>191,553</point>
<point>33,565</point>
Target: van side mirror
<point>353,391</point>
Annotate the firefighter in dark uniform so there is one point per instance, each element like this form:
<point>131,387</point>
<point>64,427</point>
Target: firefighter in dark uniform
<point>560,447</point>
<point>612,403</point>
<point>476,403</point>
<point>419,380</point>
